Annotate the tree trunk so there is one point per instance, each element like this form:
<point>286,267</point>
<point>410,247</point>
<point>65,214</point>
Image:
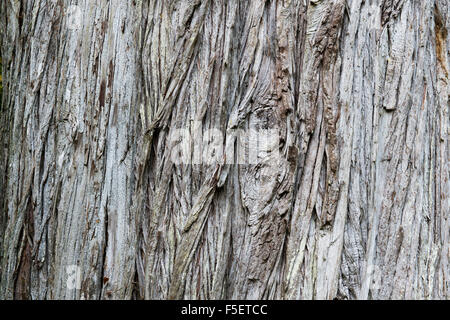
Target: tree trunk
<point>128,166</point>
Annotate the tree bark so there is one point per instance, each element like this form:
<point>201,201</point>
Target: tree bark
<point>351,202</point>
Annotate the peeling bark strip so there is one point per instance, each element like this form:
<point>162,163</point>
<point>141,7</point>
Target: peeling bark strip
<point>356,205</point>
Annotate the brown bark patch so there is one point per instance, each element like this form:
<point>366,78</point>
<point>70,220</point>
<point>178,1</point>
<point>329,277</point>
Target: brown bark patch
<point>441,40</point>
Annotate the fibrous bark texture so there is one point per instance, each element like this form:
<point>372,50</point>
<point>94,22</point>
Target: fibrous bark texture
<point>351,201</point>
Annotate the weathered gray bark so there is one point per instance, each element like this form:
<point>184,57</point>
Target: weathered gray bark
<point>357,208</point>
